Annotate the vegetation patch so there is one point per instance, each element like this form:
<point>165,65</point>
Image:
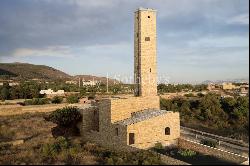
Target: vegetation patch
<point>66,120</point>
<point>209,143</point>
<point>224,116</point>
<point>37,101</point>
<point>193,157</point>
<point>72,99</point>
<point>57,100</point>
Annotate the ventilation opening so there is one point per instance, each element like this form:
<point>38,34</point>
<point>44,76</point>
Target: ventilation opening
<point>116,132</point>
<point>167,131</point>
<point>147,38</point>
<point>150,70</point>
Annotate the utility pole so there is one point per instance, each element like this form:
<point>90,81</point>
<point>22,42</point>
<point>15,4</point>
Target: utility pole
<point>107,83</point>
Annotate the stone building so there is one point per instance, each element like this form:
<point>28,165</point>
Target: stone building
<point>135,122</point>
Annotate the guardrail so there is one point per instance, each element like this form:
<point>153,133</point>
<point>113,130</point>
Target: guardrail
<point>225,139</point>
<point>222,143</point>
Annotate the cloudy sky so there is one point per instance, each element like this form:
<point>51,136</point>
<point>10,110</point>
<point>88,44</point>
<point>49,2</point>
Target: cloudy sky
<point>197,39</point>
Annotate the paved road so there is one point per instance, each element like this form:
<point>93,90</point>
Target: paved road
<point>224,143</point>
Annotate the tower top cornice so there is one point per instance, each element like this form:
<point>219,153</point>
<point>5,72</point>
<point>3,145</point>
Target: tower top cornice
<point>145,9</point>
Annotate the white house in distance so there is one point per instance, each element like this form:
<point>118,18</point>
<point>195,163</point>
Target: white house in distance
<point>90,83</point>
<point>50,92</point>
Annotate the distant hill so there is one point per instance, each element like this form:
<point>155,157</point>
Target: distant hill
<point>25,71</point>
<point>30,71</point>
<point>243,80</point>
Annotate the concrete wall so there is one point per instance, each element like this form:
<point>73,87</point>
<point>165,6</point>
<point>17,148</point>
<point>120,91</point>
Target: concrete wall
<point>151,131</point>
<point>186,144</point>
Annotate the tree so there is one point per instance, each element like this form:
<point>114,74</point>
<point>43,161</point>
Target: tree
<point>57,100</point>
<point>5,93</point>
<point>211,110</point>
<point>72,99</point>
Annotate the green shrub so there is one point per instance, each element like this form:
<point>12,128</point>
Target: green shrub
<point>91,97</point>
<point>67,116</point>
<point>186,153</point>
<point>6,133</point>
<point>52,149</point>
<point>189,95</point>
<point>72,99</point>
<point>200,95</point>
<point>209,143</point>
<point>57,100</point>
<point>158,146</point>
<point>37,101</point>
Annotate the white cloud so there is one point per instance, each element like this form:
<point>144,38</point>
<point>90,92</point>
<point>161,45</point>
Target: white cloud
<point>240,19</point>
<point>53,51</point>
<point>225,42</point>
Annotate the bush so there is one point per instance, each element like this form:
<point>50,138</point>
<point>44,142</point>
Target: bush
<point>200,95</point>
<point>186,153</point>
<point>67,116</point>
<point>37,101</point>
<point>57,100</point>
<point>134,158</point>
<point>158,146</point>
<point>72,99</point>
<point>209,143</point>
<point>52,149</point>
<point>189,95</point>
<point>91,97</point>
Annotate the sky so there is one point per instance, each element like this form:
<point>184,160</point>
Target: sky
<point>198,40</point>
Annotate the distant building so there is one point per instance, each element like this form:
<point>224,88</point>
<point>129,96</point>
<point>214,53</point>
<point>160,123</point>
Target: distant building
<point>13,84</point>
<point>228,86</point>
<point>51,93</point>
<point>90,83</point>
<point>71,82</point>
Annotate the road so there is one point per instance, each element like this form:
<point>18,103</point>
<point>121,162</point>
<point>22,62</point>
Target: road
<point>224,143</point>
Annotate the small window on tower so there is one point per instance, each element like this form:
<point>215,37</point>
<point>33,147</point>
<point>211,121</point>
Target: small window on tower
<point>148,16</point>
<point>150,70</point>
<point>116,132</point>
<point>147,38</point>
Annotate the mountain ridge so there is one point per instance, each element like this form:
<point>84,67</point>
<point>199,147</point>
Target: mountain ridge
<point>27,71</point>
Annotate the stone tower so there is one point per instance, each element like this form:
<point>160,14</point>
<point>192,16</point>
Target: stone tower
<point>145,67</point>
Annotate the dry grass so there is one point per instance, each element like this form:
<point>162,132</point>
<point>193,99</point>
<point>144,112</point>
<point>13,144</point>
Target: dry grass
<point>36,132</point>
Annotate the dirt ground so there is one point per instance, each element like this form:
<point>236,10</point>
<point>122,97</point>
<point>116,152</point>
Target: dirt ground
<point>36,132</point>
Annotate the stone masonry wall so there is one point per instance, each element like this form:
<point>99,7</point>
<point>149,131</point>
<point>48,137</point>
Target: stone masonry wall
<point>121,109</point>
<point>145,65</point>
<point>151,131</point>
<point>89,120</point>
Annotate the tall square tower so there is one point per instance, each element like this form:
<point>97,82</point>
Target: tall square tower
<point>145,64</point>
